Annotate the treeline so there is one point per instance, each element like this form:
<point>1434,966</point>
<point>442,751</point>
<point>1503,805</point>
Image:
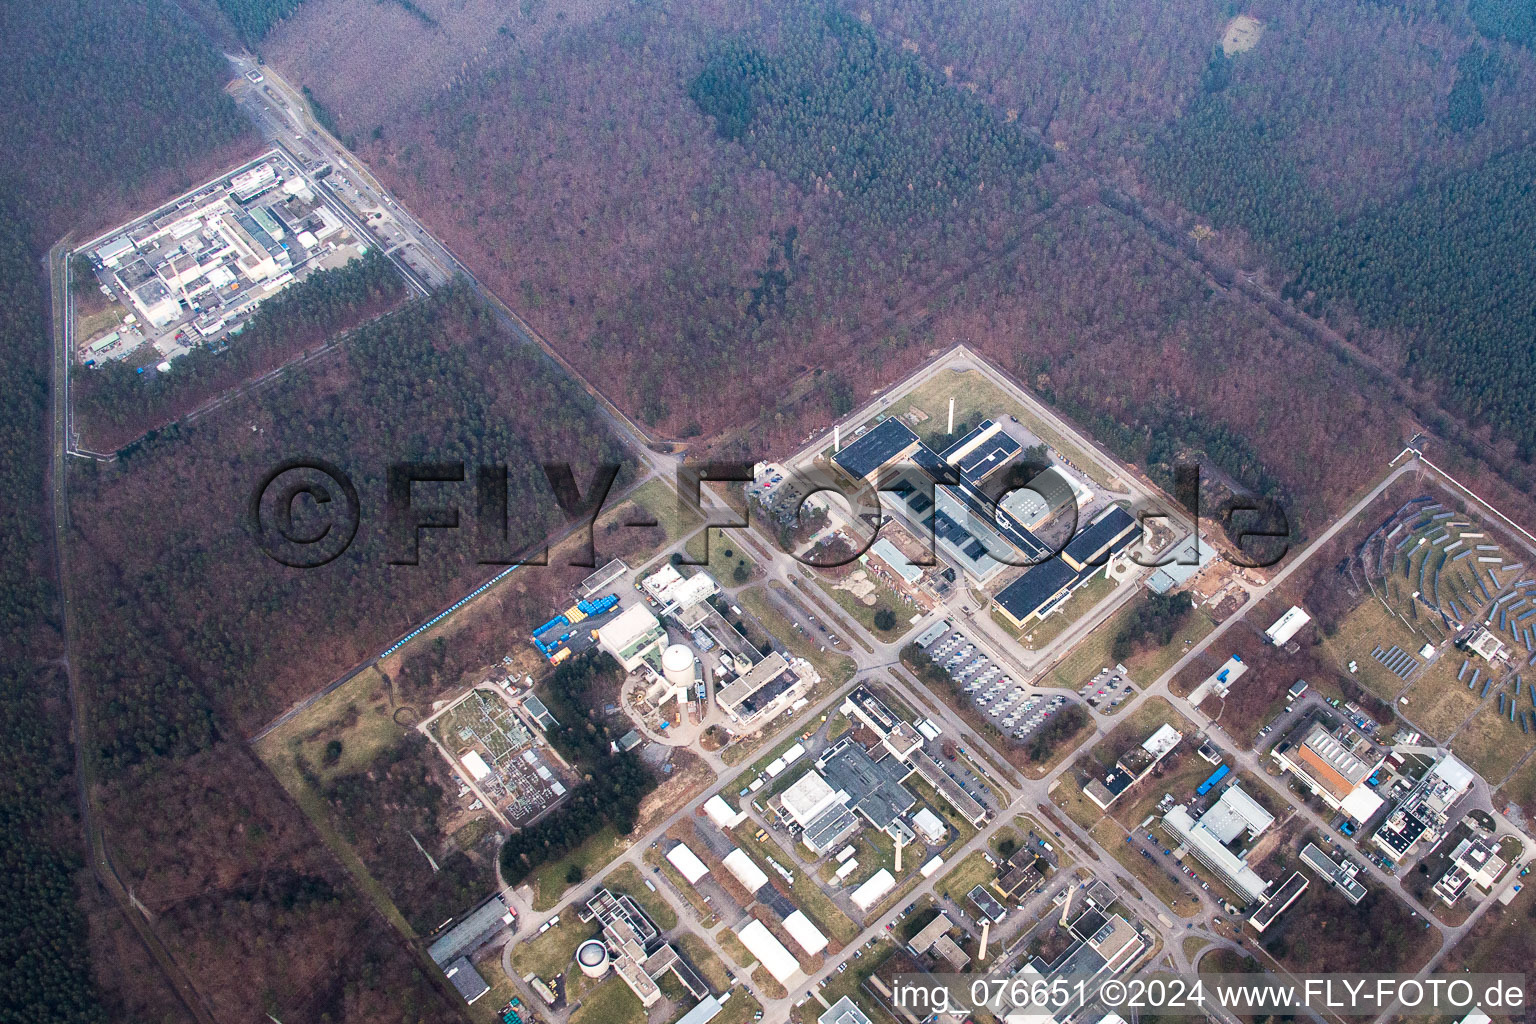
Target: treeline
<point>1151,623</point>
<point>1451,265</point>
<point>834,110</point>
<point>114,403</point>
<point>1513,20</point>
<point>612,784</point>
<point>45,970</point>
<point>1059,728</point>
<point>253,19</point>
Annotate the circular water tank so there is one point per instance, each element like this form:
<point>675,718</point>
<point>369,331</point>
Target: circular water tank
<point>592,958</point>
<point>677,665</point>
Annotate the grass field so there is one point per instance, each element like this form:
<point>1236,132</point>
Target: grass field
<point>358,714</point>
<point>734,948</point>
<point>1093,652</point>
<point>1368,626</point>
<point>886,599</point>
<point>611,1002</point>
<point>592,856</point>
<point>626,878</point>
<point>1521,787</point>
<point>1491,743</point>
<point>851,983</point>
<point>551,953</point>
<point>969,873</point>
<point>1437,703</point>
<point>705,912</point>
<point>977,398</point>
<point>659,499</point>
<point>1164,885</point>
<point>729,562</point>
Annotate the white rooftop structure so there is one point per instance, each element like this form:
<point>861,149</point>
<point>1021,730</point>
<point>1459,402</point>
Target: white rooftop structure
<point>631,635</point>
<point>805,933</point>
<point>745,869</point>
<point>929,825</point>
<point>1235,813</point>
<point>1361,803</point>
<point>809,796</point>
<point>1454,774</point>
<point>933,865</point>
<point>870,893</point>
<point>1161,742</point>
<point>475,765</point>
<point>722,813</point>
<point>687,863</point>
<point>845,1011</point>
<point>1210,851</point>
<point>781,963</point>
<point>1287,626</point>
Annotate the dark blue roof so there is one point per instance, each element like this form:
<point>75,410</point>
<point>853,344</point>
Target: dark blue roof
<point>1033,590</point>
<point>878,446</point>
<point>1097,538</point>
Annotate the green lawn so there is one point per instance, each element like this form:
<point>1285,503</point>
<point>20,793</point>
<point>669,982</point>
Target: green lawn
<point>729,562</point>
<point>965,876</point>
<point>551,953</point>
<point>885,599</point>
<point>592,856</point>
<point>612,1002</point>
<point>1095,651</point>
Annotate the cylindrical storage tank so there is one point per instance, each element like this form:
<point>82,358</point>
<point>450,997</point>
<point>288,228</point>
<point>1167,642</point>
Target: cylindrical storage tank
<point>592,958</point>
<point>677,666</point>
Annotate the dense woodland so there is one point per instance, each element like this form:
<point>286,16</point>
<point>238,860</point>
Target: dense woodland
<point>612,785</point>
<point>128,103</point>
<point>114,403</point>
<point>39,838</point>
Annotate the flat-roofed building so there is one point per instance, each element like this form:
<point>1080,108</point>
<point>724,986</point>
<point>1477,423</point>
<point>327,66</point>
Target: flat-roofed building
<point>633,637</point>
<point>472,931</point>
<point>1343,877</point>
<point>1287,626</point>
<point>1289,892</point>
<point>1335,767</point>
<point>1422,814</point>
<point>1475,861</point>
<point>766,689</point>
<point>769,951</point>
<point>844,1011</point>
<point>1208,848</point>
<point>887,442</point>
<point>1133,766</point>
<point>466,980</point>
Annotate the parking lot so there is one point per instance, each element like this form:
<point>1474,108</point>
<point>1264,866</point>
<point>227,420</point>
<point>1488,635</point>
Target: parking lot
<point>1013,708</point>
<point>1107,689</point>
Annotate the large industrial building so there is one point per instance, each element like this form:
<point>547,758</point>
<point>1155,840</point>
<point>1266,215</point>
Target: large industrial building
<point>636,950</point>
<point>1210,838</point>
<point>1423,814</point>
<point>943,495</point>
<point>1337,766</point>
<point>191,272</point>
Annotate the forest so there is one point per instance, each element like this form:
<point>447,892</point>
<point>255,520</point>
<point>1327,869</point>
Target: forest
<point>114,404</point>
<point>253,19</point>
<point>191,637</point>
<point>833,109</point>
<point>128,103</point>
<point>612,784</point>
<point>1448,266</point>
<point>399,786</point>
<point>39,834</point>
<point>1151,623</point>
